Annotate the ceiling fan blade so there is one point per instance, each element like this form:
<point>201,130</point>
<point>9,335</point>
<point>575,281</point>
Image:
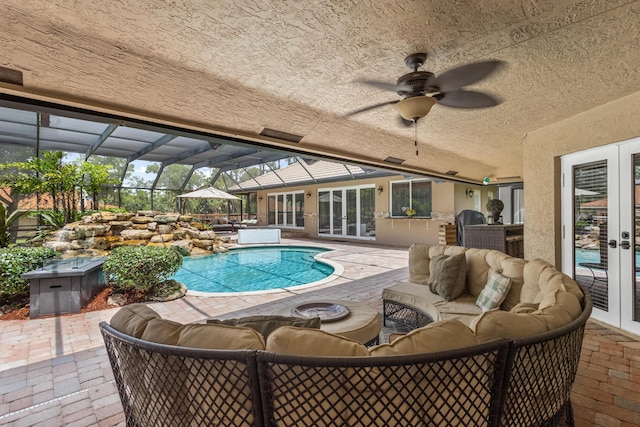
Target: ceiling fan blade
<point>465,75</point>
<point>387,86</point>
<point>466,99</point>
<point>370,107</point>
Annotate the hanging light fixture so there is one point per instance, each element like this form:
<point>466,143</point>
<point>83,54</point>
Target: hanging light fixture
<point>413,109</point>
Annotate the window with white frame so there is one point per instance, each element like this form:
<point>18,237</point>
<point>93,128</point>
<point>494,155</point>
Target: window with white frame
<point>415,194</point>
<point>286,209</point>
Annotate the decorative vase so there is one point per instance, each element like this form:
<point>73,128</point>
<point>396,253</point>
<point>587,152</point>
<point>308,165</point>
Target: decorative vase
<point>495,216</point>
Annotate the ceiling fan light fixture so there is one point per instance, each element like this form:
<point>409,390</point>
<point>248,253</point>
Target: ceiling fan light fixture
<point>415,107</point>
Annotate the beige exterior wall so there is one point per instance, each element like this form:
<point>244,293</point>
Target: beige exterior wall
<point>613,122</point>
<point>447,199</point>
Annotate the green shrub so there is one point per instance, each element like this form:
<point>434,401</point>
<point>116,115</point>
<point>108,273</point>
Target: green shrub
<point>140,267</point>
<point>16,261</point>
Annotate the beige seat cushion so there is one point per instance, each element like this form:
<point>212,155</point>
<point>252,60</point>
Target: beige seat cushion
<point>132,319</point>
<point>503,324</point>
<point>162,331</point>
<point>312,342</point>
<point>437,336</point>
<point>222,337</point>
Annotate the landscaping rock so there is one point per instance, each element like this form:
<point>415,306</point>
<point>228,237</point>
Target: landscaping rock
<point>207,235</point>
<point>203,244</point>
<point>117,299</point>
<point>179,234</point>
<point>166,218</point>
<point>165,229</point>
<point>99,217</point>
<point>129,243</point>
<point>142,219</point>
<point>200,251</point>
<point>98,233</point>
<point>92,230</point>
<point>185,244</point>
<point>97,243</point>
<point>124,216</point>
<point>137,234</point>
<point>162,238</point>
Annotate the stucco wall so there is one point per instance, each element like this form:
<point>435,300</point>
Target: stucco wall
<point>447,199</point>
<point>613,122</point>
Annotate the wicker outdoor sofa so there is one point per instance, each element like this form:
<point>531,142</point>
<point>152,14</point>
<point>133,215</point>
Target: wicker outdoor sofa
<point>441,374</point>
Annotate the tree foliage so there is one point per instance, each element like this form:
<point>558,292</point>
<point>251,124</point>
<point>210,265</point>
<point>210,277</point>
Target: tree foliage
<point>63,182</point>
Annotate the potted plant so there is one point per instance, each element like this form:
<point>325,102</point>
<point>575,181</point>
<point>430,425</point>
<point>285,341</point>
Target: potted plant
<point>410,212</point>
<point>495,207</point>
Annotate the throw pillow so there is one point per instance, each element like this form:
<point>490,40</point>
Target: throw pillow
<point>267,324</point>
<point>447,275</point>
<point>494,292</point>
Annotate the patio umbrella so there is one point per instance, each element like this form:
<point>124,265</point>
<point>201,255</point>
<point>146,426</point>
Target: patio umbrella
<point>209,193</point>
<point>212,193</point>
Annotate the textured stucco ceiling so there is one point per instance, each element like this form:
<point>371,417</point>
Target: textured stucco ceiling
<point>240,66</point>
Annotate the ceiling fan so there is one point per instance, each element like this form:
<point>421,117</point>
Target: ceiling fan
<point>421,90</point>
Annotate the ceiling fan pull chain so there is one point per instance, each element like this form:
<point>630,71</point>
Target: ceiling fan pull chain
<point>415,139</point>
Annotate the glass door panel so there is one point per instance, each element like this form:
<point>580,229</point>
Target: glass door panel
<point>352,213</point>
<point>288,210</point>
<point>280,209</point>
<point>629,235</point>
<point>324,212</point>
<point>336,200</point>
<point>590,225</point>
<point>367,212</point>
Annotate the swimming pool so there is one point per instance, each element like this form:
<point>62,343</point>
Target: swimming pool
<point>256,269</point>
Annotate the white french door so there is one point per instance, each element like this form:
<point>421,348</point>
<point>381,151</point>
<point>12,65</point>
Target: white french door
<point>600,205</point>
<point>347,212</point>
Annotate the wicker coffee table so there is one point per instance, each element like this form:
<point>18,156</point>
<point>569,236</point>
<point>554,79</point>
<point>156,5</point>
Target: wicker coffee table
<point>361,324</point>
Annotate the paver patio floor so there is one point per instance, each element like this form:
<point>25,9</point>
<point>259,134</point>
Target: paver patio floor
<point>55,371</point>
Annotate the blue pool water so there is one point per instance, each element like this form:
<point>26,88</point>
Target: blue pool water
<point>253,269</point>
<point>586,255</point>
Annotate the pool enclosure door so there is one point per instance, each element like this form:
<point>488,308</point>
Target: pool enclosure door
<point>600,205</point>
<point>347,212</point>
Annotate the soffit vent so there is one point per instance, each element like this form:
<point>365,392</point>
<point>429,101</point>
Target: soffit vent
<point>272,133</point>
<point>9,75</point>
<point>394,160</point>
<point>451,173</point>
